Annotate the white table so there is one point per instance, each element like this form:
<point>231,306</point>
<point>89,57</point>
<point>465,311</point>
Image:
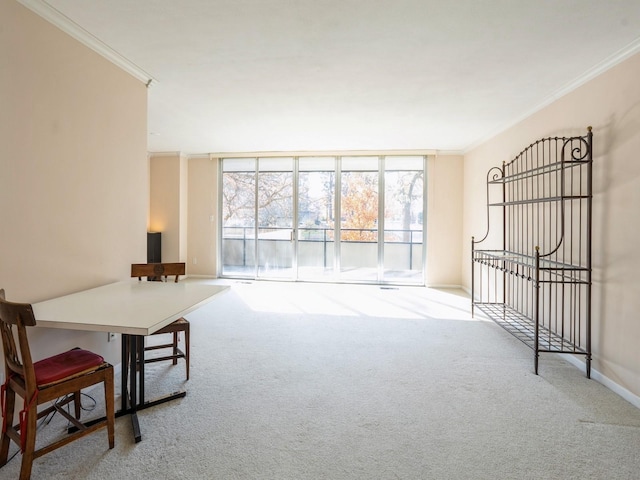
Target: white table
<point>134,309</point>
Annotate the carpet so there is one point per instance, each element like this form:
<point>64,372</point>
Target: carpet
<point>324,381</point>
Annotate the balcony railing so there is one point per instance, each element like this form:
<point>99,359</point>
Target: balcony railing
<point>403,248</point>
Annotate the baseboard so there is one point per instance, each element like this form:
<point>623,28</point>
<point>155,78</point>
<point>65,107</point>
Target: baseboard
<point>606,381</point>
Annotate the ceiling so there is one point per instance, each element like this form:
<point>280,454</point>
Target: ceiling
<point>318,75</point>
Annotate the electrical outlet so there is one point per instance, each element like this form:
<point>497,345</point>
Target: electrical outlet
<point>195,261</point>
<point>111,336</point>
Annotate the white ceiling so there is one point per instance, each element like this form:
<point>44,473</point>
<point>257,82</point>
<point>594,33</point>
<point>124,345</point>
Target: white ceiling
<point>316,75</point>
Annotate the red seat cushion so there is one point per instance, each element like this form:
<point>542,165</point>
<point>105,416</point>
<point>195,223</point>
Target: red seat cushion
<point>65,364</point>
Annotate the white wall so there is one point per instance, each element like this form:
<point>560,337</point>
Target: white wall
<point>203,216</point>
<point>611,104</point>
<point>168,204</point>
<point>444,220</point>
<point>73,182</point>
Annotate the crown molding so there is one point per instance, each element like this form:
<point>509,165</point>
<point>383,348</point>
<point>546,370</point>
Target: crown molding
<point>449,153</point>
<point>167,154</point>
<point>64,23</point>
<point>597,70</point>
<point>321,153</point>
<point>181,155</point>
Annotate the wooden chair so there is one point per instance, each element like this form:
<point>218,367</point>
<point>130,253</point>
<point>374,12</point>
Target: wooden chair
<point>58,379</point>
<point>158,271</point>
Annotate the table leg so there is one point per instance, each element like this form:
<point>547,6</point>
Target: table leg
<point>134,342</point>
<point>124,363</point>
<point>141,368</point>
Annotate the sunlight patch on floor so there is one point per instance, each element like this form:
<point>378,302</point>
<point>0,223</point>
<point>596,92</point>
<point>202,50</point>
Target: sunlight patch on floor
<point>411,303</point>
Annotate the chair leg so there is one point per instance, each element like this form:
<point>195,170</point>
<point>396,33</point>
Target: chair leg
<point>109,401</point>
<point>30,443</point>
<point>77,403</point>
<point>9,406</point>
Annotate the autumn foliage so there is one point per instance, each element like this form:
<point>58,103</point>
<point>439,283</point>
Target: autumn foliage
<point>359,210</point>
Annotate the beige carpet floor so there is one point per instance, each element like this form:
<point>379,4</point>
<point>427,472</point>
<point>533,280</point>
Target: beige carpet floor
<point>302,381</point>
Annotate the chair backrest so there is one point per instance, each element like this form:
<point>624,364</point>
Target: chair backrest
<point>17,361</point>
<point>157,270</point>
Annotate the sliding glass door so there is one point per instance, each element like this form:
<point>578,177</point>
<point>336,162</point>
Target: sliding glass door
<point>238,217</point>
<point>275,218</point>
<point>403,253</point>
<point>359,217</point>
<point>257,218</point>
<point>316,218</point>
<point>333,218</point>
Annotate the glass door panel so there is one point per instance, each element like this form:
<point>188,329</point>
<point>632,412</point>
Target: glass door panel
<point>403,220</point>
<point>275,218</point>
<point>238,217</point>
<point>359,219</point>
<point>316,218</point>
